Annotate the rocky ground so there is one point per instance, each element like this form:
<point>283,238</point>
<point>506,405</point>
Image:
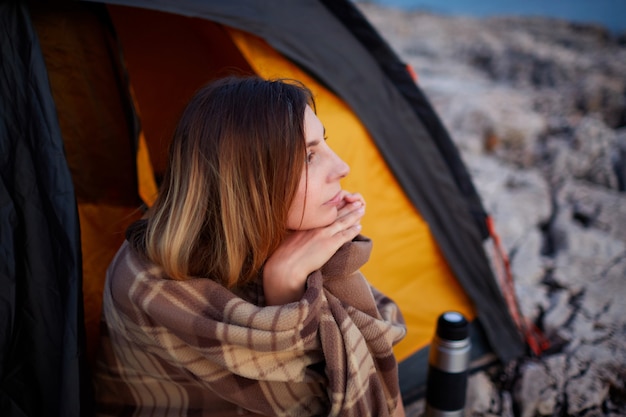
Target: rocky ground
<point>538,109</point>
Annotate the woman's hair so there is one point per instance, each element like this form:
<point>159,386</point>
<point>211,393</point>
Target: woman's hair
<point>235,162</point>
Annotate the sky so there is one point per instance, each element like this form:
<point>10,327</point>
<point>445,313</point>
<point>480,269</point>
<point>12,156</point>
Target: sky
<point>609,13</point>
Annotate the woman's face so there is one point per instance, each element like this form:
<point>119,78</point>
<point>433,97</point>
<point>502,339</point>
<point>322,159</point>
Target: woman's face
<point>319,195</point>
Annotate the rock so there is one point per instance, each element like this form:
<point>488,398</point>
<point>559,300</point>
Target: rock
<point>586,316</point>
<point>568,68</point>
<point>588,153</point>
<point>538,110</point>
<point>518,200</point>
<point>540,385</point>
<point>604,95</point>
<point>500,120</point>
<point>590,207</point>
<point>484,398</point>
<point>619,163</point>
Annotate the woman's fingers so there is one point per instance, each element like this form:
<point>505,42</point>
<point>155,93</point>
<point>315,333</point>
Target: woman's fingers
<point>348,220</point>
<point>349,208</point>
<point>354,197</point>
<point>346,235</point>
<point>350,201</point>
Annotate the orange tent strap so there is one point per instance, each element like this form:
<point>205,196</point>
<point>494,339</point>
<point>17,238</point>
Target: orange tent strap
<point>533,336</point>
<point>411,72</point>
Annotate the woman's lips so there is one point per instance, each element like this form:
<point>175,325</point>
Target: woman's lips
<point>338,198</point>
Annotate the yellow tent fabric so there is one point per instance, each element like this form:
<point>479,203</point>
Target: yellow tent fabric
<point>406,263</point>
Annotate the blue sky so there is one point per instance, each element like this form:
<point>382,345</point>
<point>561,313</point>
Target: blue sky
<point>610,13</point>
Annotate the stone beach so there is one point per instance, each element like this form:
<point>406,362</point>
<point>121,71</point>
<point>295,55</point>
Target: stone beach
<point>537,108</point>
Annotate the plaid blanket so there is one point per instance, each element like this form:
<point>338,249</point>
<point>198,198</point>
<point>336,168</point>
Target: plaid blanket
<point>184,347</point>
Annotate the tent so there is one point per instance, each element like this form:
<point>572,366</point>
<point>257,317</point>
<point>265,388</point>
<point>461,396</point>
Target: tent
<point>89,94</point>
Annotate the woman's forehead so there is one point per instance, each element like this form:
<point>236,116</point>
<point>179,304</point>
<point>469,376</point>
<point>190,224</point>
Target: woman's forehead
<point>314,129</point>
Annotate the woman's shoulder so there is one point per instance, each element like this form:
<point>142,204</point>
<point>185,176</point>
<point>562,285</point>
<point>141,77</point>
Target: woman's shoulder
<point>128,264</point>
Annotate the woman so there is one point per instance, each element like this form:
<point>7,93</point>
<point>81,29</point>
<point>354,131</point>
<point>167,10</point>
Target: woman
<point>239,293</point>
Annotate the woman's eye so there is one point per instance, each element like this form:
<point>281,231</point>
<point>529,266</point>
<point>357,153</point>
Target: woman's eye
<point>309,157</point>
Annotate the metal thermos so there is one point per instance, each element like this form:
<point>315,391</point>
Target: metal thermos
<point>448,364</point>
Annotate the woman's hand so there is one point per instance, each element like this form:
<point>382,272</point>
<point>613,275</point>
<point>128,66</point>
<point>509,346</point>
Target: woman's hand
<point>304,251</point>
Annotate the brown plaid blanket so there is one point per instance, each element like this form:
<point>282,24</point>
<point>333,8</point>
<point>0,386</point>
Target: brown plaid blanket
<point>183,348</point>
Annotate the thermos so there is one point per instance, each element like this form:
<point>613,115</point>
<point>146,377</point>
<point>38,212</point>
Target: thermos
<point>448,364</point>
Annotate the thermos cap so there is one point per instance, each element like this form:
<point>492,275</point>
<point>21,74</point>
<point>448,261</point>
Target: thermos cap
<point>452,325</point>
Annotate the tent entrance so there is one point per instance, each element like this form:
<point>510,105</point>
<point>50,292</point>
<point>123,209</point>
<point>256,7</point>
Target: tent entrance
<point>168,58</point>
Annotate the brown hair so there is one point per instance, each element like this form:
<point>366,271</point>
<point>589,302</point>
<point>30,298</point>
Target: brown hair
<point>234,166</point>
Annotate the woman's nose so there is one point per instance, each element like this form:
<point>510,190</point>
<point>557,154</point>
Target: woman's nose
<point>342,168</point>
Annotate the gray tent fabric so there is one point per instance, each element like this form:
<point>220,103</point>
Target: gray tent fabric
<point>42,371</point>
<point>310,35</point>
